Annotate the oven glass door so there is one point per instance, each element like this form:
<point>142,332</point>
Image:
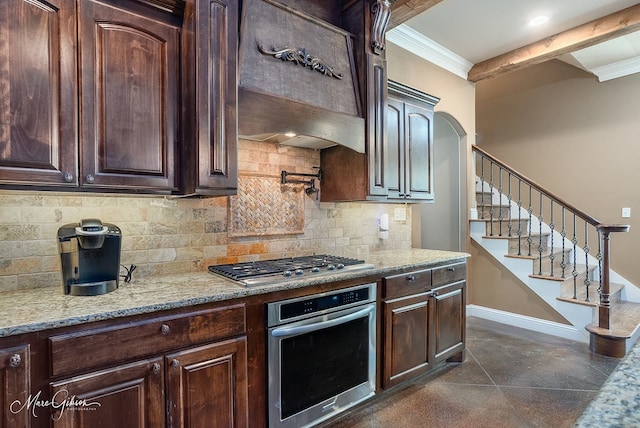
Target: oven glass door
<point>326,364</point>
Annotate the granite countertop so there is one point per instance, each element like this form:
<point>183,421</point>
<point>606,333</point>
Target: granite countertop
<point>618,401</point>
<point>26,311</point>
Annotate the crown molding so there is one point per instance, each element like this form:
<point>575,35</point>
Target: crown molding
<point>409,39</point>
<point>617,69</point>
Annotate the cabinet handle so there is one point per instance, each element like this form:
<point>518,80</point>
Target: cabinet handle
<point>90,178</point>
<point>451,269</point>
<point>175,363</point>
<point>68,177</point>
<point>411,278</point>
<point>165,329</point>
<point>155,368</point>
<point>15,360</point>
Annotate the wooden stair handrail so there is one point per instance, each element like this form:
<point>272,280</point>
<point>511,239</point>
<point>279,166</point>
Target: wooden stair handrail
<point>584,216</point>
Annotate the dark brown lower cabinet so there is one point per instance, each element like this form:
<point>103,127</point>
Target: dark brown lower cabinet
<point>406,352</point>
<point>129,395</point>
<point>14,386</point>
<point>166,370</point>
<point>207,386</point>
<point>423,321</point>
<point>449,322</point>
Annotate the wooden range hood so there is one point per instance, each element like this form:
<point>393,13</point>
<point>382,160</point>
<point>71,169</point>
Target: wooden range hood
<point>301,72</point>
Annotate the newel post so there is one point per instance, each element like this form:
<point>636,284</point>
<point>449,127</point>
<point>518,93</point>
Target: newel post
<point>604,310</point>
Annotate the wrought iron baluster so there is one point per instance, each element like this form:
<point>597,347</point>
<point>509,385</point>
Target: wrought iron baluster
<point>530,211</point>
<point>519,217</point>
<point>563,234</point>
<point>482,186</point>
<point>552,256</point>
<point>574,272</point>
<point>540,238</point>
<point>509,222</point>
<point>490,198</point>
<point>599,256</point>
<point>500,201</point>
<point>587,280</point>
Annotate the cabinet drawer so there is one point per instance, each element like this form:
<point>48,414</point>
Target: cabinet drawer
<point>406,284</point>
<point>73,352</point>
<point>449,273</point>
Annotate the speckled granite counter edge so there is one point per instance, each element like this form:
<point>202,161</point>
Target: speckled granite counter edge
<point>28,311</point>
<point>618,401</point>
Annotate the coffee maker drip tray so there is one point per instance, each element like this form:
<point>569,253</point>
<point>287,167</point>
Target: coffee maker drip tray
<point>90,288</point>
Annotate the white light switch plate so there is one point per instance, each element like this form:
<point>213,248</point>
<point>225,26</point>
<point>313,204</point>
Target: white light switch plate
<point>626,212</point>
<point>400,214</point>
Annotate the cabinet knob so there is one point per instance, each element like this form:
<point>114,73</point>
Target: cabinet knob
<point>15,360</point>
<point>165,329</point>
<point>90,178</point>
<point>155,368</point>
<point>411,278</point>
<point>68,177</point>
<point>451,269</point>
<point>175,363</point>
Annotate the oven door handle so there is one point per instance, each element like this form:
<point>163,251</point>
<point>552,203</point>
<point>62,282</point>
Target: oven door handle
<point>292,331</point>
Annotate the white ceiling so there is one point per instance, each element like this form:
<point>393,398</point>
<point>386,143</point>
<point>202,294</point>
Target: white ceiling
<point>455,34</point>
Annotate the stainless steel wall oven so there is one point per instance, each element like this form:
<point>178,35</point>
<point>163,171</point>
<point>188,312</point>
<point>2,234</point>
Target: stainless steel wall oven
<point>321,355</point>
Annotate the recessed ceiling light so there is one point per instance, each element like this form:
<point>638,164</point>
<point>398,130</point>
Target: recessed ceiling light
<point>538,20</point>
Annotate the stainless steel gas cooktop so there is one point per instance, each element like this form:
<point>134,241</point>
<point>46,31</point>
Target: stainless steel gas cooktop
<point>265,272</point>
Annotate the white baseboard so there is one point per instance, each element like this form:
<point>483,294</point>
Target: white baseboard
<point>522,321</point>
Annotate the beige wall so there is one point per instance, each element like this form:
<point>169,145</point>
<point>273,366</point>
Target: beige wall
<point>575,136</point>
<point>163,236</point>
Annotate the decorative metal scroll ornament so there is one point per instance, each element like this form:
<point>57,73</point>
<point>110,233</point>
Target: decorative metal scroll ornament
<point>301,57</point>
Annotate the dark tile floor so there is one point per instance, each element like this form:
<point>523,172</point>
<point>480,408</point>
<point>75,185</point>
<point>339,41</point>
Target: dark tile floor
<point>510,378</point>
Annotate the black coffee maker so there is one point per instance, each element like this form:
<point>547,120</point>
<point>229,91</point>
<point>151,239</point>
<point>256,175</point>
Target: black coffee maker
<point>90,256</point>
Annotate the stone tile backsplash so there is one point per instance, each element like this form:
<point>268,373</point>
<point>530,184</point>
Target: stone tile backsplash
<point>163,235</point>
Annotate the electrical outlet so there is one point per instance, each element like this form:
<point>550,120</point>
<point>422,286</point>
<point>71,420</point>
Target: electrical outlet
<point>626,212</point>
<point>400,214</point>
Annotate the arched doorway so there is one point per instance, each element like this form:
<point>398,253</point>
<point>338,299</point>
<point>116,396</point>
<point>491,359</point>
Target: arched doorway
<point>441,221</point>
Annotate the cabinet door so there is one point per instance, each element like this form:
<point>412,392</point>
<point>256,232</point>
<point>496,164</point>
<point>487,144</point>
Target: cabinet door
<point>406,339</point>
<point>394,162</point>
<point>129,69</point>
<point>207,386</point>
<point>216,95</point>
<point>15,387</point>
<point>129,395</point>
<point>449,322</point>
<point>38,136</point>
<point>418,152</point>
<point>377,142</point>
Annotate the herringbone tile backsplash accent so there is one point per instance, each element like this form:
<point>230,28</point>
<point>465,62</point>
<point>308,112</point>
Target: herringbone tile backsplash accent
<point>264,206</point>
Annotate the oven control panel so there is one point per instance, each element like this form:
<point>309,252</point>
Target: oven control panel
<point>301,307</point>
<point>317,304</point>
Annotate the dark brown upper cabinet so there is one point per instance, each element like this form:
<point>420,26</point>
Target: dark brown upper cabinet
<point>210,164</point>
<point>398,163</point>
<point>129,104</point>
<point>130,96</point>
<point>409,145</point>
<point>38,134</point>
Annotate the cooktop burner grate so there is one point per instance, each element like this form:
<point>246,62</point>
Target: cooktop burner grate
<point>277,267</point>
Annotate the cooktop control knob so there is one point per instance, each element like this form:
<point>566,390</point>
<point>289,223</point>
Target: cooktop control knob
<point>331,267</point>
<point>340,266</point>
<point>287,273</point>
<point>315,269</point>
<point>299,272</point>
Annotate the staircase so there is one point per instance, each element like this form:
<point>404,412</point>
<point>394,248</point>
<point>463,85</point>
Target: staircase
<point>560,253</point>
